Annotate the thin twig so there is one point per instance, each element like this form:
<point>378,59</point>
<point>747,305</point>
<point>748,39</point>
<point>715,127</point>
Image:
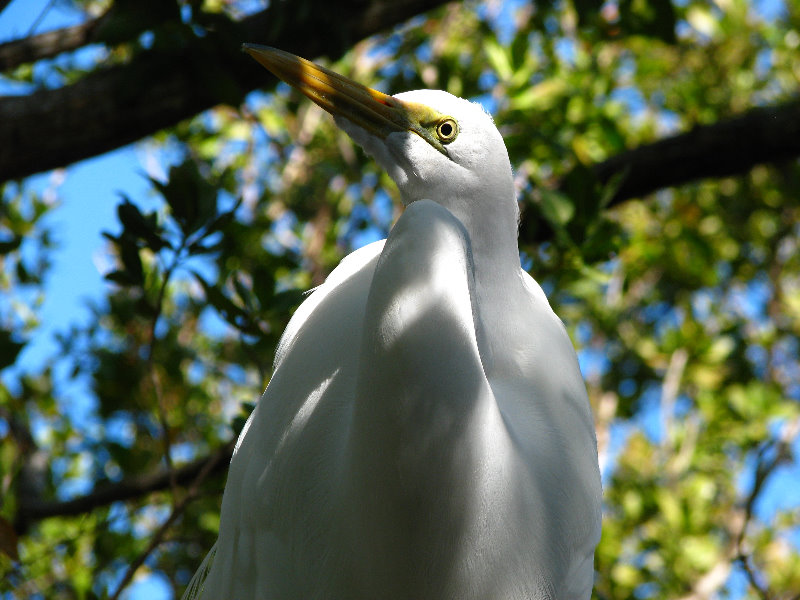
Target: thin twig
<point>41,16</point>
<point>177,510</point>
<point>764,468</point>
<point>737,525</point>
<point>669,392</point>
<point>156,383</point>
<point>705,587</point>
<point>753,578</point>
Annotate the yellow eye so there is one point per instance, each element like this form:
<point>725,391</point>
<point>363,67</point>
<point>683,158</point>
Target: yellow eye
<point>447,130</point>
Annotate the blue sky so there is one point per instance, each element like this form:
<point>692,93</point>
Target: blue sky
<point>88,197</point>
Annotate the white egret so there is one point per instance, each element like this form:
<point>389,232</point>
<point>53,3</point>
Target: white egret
<point>426,433</point>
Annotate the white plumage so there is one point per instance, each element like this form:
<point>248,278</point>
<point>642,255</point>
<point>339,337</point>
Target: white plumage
<point>426,433</point>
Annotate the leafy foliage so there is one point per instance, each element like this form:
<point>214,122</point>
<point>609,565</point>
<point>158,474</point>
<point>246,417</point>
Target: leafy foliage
<point>684,305</point>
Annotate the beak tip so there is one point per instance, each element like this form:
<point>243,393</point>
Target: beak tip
<point>254,49</point>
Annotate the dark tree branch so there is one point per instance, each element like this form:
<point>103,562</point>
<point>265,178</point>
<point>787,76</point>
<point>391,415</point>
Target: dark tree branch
<point>115,106</point>
<point>46,45</point>
<point>129,489</point>
<point>730,147</point>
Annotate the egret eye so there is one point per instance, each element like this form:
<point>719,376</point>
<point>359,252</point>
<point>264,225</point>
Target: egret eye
<point>447,130</point>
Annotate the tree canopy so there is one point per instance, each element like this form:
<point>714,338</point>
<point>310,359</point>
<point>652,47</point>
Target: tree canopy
<point>655,147</point>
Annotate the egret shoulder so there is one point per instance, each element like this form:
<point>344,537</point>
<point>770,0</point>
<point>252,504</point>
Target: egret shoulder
<point>350,265</point>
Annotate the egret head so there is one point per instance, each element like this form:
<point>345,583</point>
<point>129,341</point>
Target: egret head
<point>434,145</point>
<point>461,149</point>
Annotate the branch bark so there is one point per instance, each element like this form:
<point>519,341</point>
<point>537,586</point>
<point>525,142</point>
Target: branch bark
<point>46,45</point>
<point>730,147</point>
<point>128,489</point>
<point>762,135</point>
<point>115,106</point>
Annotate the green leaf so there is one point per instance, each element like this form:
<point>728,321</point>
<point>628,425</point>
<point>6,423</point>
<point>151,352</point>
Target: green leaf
<point>7,246</point>
<point>498,59</point>
<point>229,311</point>
<point>140,226</point>
<point>191,198</point>
<point>242,290</point>
<point>246,409</point>
<point>652,18</point>
<point>131,260</point>
<point>587,10</point>
<point>9,542</point>
<point>120,277</point>
<point>9,348</point>
<point>221,222</point>
<point>263,285</point>
<point>238,424</point>
<point>556,207</point>
<point>539,97</point>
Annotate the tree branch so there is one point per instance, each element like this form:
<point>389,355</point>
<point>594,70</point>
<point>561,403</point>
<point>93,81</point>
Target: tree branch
<point>46,45</point>
<point>115,106</point>
<point>128,489</point>
<point>731,147</point>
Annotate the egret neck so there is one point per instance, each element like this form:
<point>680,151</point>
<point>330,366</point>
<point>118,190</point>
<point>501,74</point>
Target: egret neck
<point>498,288</point>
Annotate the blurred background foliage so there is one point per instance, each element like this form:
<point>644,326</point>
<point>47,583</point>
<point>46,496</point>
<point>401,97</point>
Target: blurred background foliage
<point>684,304</point>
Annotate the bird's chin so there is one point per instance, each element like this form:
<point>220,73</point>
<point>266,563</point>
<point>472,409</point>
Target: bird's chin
<point>390,153</point>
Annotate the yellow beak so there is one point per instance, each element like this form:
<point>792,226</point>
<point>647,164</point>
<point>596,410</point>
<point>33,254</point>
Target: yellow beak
<point>370,109</point>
